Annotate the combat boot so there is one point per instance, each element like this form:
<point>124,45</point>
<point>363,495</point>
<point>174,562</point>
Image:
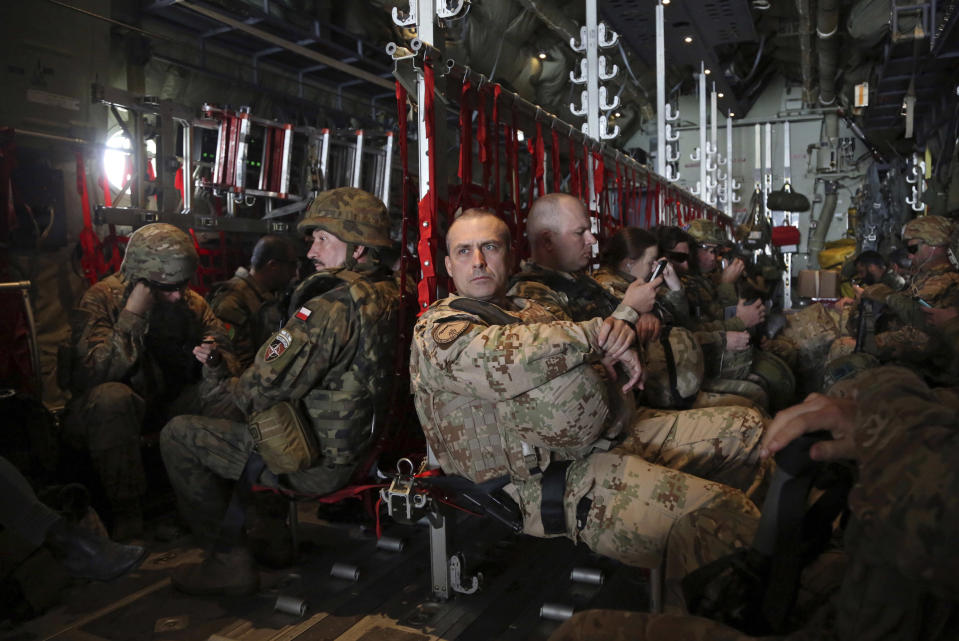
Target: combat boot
<point>270,536</point>
<point>231,572</point>
<point>90,556</point>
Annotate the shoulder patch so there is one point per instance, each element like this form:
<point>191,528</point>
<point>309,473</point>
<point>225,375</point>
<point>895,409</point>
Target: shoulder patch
<point>445,333</point>
<point>280,343</point>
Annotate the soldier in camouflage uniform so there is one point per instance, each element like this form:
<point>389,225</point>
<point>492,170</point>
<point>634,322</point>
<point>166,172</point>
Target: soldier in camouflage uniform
<point>249,303</point>
<point>331,362</point>
<point>504,390</point>
<point>131,366</point>
<point>934,283</point>
<point>903,573</point>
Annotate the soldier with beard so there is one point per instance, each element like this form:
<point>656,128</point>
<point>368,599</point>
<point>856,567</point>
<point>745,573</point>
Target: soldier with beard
<point>132,362</point>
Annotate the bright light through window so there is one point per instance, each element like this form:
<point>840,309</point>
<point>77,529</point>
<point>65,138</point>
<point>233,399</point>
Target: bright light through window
<point>117,156</point>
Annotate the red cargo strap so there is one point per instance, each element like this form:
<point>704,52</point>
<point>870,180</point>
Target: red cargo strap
<point>540,158</point>
<point>428,205</point>
<point>554,153</point>
<point>574,185</point>
<point>91,259</point>
<point>497,185</point>
<point>465,170</point>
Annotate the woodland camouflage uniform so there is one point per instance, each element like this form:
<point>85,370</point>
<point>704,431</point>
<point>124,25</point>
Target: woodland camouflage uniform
<point>130,373</point>
<point>497,400</point>
<point>902,578</point>
<point>249,313</point>
<point>333,360</point>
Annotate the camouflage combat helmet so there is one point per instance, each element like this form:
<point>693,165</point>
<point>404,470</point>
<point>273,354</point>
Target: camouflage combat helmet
<point>687,365</point>
<point>706,231</point>
<point>778,380</point>
<point>934,230</point>
<point>845,367</point>
<point>352,215</point>
<point>160,253</point>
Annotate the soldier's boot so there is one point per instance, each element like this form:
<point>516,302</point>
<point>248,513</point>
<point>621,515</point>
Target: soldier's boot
<point>271,540</point>
<point>230,572</point>
<point>91,556</point>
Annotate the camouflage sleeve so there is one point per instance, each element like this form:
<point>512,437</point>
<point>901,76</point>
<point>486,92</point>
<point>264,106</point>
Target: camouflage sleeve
<point>726,294</point>
<point>107,350</point>
<point>907,497</point>
<point>906,309</point>
<point>228,307</point>
<point>909,344</point>
<point>501,361</point>
<point>676,305</point>
<point>554,302</point>
<point>212,326</point>
<point>291,363</point>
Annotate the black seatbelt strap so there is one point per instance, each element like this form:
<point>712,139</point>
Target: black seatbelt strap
<point>552,509</point>
<point>231,528</point>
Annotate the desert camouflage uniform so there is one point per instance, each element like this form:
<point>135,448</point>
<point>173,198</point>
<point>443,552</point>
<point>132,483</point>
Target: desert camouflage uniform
<point>497,400</point>
<point>128,376</point>
<point>704,360</point>
<point>902,579</point>
<point>567,296</point>
<point>334,357</point>
<point>913,341</point>
<point>249,313</point>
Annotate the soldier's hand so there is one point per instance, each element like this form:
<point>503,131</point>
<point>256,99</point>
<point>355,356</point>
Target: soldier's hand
<point>140,300</point>
<point>633,366</point>
<point>737,341</point>
<point>647,328</point>
<point>845,300</point>
<point>642,296</point>
<point>615,337</point>
<point>733,271</point>
<point>751,315</point>
<point>672,278</point>
<point>939,316</point>
<point>817,412</point>
<point>206,352</point>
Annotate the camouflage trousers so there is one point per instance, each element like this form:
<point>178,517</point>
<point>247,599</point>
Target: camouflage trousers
<point>751,390</point>
<point>107,422</point>
<point>204,456</point>
<point>624,507</point>
<point>716,443</point>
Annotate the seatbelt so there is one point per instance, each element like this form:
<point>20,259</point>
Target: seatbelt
<point>552,508</point>
<point>231,528</point>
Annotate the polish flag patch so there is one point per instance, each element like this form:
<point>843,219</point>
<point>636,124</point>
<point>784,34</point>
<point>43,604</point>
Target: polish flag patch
<point>303,314</point>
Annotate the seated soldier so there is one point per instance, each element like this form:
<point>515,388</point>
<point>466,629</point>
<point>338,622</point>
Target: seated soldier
<point>715,305</point>
<point>132,368</point>
<point>674,378</point>
<point>328,369</point>
<point>933,283</point>
<point>249,304</point>
<point>902,576</point>
<point>504,390</point>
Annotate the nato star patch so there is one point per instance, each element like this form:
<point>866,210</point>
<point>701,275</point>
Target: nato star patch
<point>277,346</point>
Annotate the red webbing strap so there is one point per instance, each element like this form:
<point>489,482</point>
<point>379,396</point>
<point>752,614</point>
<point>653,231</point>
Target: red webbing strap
<point>482,143</point>
<point>111,244</point>
<point>513,141</point>
<point>584,177</point>
<point>649,199</point>
<point>91,259</point>
<point>401,98</point>
<point>540,158</point>
<point>599,184</point>
<point>657,203</point>
<point>554,156</point>
<point>465,171</point>
<point>497,185</point>
<point>620,195</point>
<point>428,204</point>
<point>574,185</point>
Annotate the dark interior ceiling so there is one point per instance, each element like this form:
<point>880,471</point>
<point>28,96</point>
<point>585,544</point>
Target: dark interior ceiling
<point>902,48</point>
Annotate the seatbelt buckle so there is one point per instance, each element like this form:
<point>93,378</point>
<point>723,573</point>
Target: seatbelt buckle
<point>403,502</point>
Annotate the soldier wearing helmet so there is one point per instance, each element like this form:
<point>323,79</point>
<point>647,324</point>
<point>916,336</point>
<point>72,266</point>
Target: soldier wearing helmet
<point>324,378</point>
<point>132,367</point>
<point>932,284</point>
<point>506,391</point>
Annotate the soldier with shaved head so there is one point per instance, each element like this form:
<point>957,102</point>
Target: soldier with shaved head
<point>507,393</point>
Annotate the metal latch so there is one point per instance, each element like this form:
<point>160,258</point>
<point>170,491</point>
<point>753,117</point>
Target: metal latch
<point>401,498</point>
